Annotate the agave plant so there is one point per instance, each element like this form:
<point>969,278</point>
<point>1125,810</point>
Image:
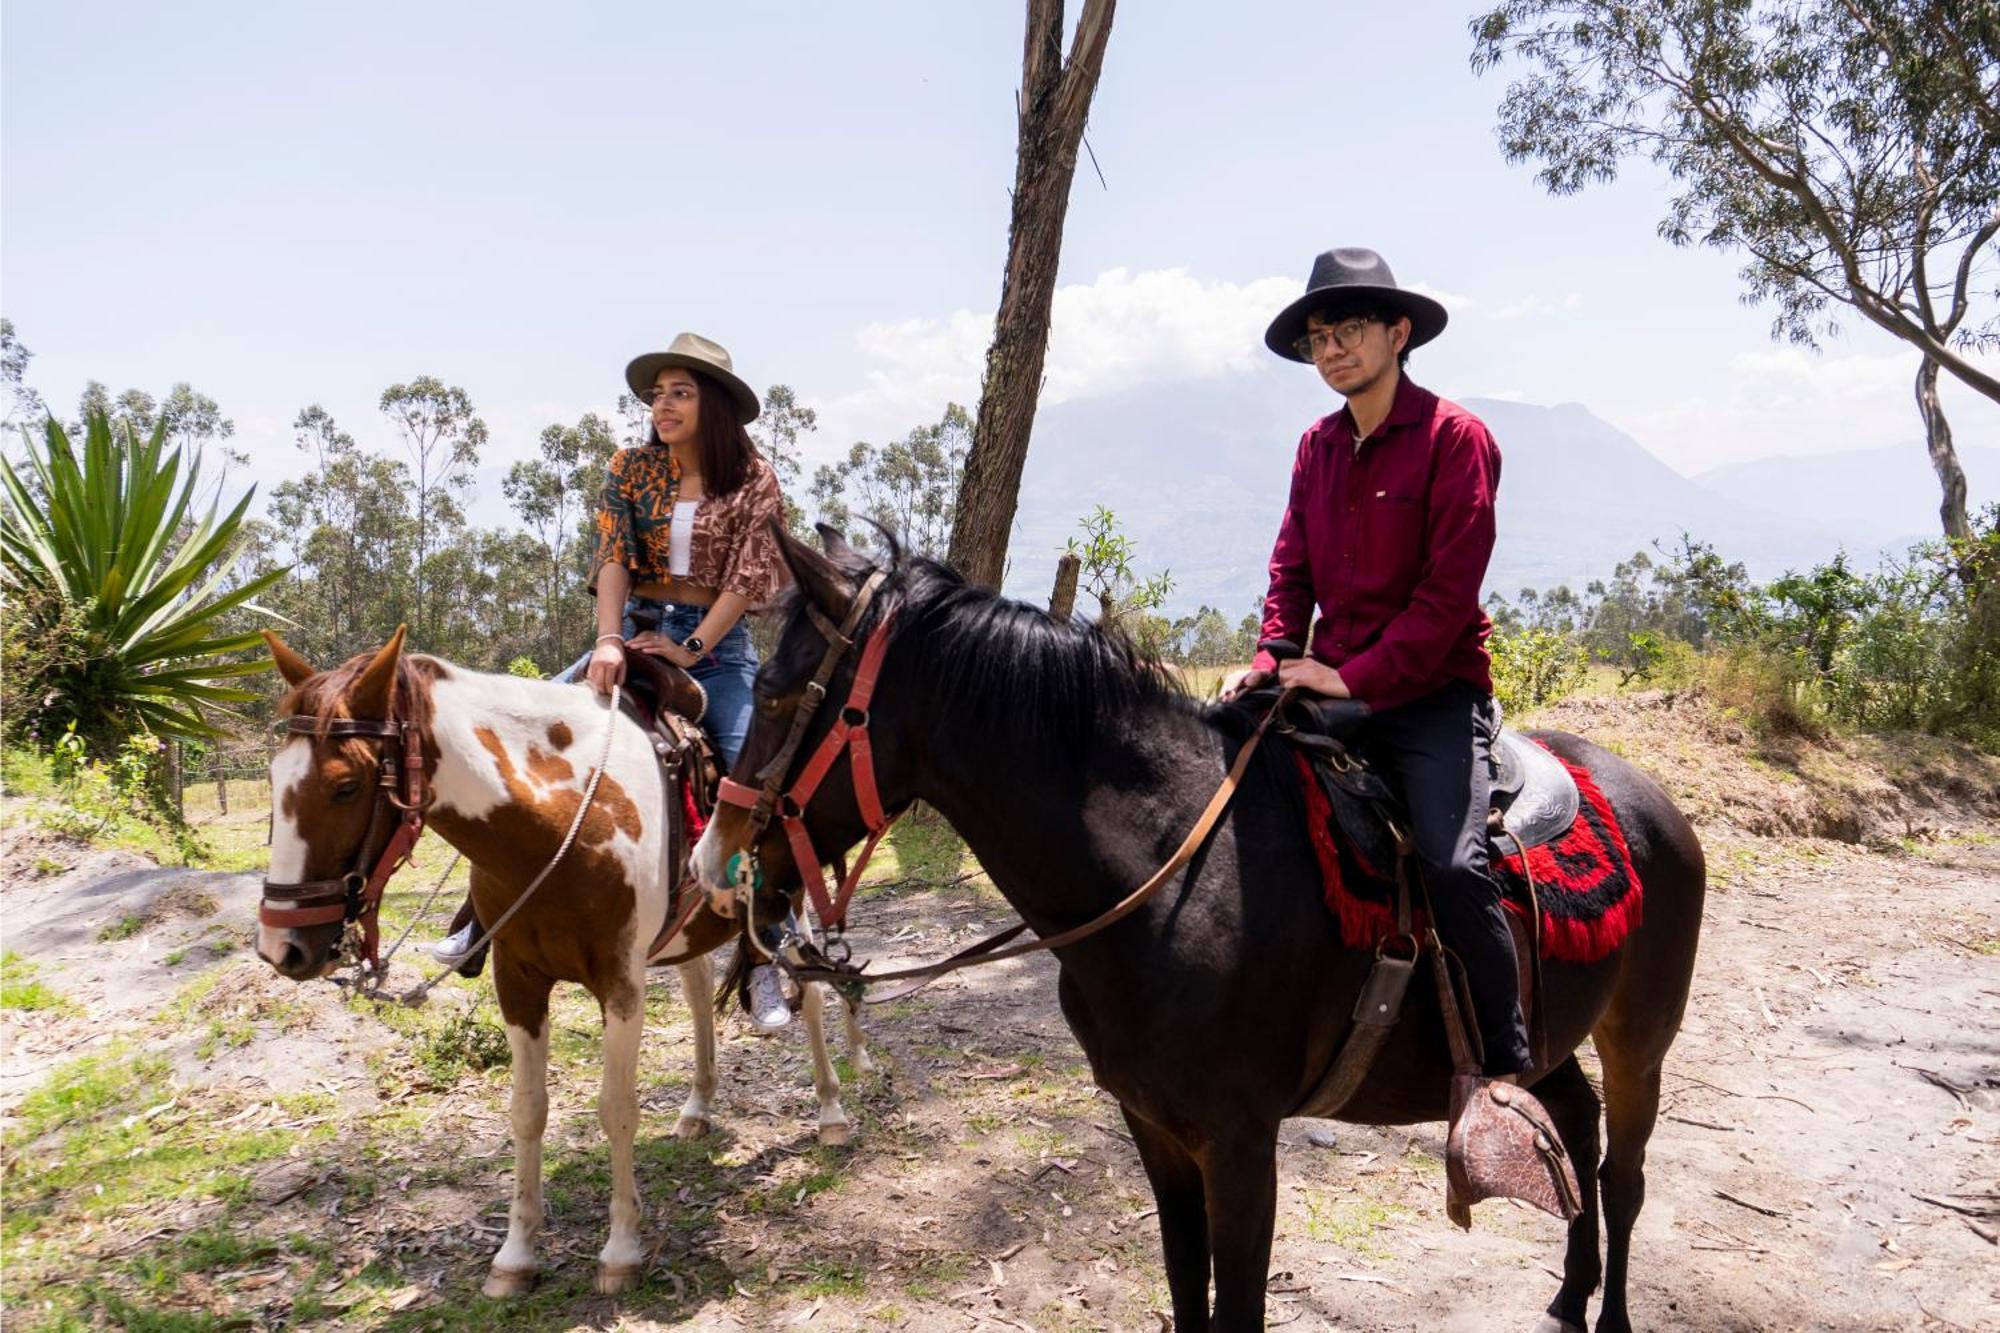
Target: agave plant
<point>104,553</point>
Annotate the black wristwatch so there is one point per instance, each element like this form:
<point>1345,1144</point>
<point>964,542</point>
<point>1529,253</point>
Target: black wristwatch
<point>693,644</point>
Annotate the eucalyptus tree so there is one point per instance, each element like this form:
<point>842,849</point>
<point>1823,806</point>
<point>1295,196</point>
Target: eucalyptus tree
<point>1849,149</point>
<point>443,435</point>
<point>555,493</point>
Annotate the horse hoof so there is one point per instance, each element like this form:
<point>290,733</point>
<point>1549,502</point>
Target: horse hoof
<point>1550,1324</point>
<point>615,1278</point>
<point>835,1135</point>
<point>503,1283</point>
<point>692,1127</point>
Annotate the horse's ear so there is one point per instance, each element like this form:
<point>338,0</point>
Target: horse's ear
<point>834,542</point>
<point>376,685</point>
<point>818,577</point>
<point>295,669</point>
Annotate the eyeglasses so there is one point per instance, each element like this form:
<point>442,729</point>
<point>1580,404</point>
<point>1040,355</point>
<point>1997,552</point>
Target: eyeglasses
<point>1347,333</point>
<point>679,393</point>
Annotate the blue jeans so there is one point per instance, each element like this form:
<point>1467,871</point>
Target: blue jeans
<point>726,671</point>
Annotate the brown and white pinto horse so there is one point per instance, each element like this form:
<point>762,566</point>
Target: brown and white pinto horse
<point>506,762</point>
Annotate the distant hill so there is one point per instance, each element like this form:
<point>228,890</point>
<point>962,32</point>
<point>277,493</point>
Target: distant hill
<point>1197,476</point>
<point>1882,498</point>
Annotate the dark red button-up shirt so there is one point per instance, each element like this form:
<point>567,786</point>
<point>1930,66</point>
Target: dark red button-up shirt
<point>1390,540</point>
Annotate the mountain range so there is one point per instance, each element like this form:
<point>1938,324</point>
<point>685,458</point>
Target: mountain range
<point>1198,478</point>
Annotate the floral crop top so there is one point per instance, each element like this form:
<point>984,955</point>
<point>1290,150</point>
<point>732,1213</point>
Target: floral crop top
<point>732,549</point>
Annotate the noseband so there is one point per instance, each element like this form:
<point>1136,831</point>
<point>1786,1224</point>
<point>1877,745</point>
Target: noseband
<point>355,897</point>
<point>849,733</point>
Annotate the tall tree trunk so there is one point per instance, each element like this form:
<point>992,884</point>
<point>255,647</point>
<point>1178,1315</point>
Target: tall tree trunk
<point>1054,106</point>
<point>1944,458</point>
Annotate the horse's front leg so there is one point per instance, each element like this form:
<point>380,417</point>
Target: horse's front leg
<point>857,1041</point>
<point>524,1004</point>
<point>623,1257</point>
<point>833,1126</point>
<point>1239,1178</point>
<point>698,986</point>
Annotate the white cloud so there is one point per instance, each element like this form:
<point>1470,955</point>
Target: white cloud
<point>1121,330</point>
<point>1535,306</point>
<point>1791,400</point>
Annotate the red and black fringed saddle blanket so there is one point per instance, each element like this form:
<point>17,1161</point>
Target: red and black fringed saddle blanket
<point>1590,895</point>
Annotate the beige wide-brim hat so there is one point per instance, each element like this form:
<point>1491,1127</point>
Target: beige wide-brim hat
<point>691,351</point>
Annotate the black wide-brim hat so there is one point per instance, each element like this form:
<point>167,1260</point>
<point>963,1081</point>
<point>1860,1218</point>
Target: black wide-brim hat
<point>1351,272</point>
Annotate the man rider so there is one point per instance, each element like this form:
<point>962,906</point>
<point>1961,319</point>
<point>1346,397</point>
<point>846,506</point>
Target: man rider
<point>1387,532</point>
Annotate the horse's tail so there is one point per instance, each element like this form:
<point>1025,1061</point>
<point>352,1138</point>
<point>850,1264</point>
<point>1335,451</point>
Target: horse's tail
<point>734,980</point>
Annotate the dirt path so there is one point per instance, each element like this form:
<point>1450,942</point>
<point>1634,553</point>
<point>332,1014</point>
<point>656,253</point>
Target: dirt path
<point>1832,1119</point>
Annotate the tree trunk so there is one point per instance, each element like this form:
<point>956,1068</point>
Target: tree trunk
<point>1062,601</point>
<point>1054,102</point>
<point>1944,458</point>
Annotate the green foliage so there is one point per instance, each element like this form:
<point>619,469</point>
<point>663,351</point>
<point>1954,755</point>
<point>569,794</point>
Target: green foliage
<point>1533,667</point>
<point>909,487</point>
<point>1122,596</point>
<point>1848,149</point>
<point>525,668</point>
<point>120,801</point>
<point>463,1042</point>
<point>1643,655</point>
<point>122,589</point>
<point>22,990</point>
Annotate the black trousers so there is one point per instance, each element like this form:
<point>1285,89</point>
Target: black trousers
<point>1438,751</point>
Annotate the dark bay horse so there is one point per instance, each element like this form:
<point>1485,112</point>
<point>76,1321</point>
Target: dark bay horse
<point>1073,770</point>
<point>506,762</point>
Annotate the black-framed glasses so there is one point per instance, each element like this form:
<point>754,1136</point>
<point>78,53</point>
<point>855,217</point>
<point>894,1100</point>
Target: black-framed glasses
<point>1347,334</point>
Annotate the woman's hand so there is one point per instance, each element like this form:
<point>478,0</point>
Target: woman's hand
<point>607,666</point>
<point>1310,674</point>
<point>659,645</point>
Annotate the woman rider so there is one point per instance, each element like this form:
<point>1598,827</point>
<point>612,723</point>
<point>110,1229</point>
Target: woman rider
<point>684,549</point>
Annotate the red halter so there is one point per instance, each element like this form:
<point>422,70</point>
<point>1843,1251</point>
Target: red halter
<point>353,896</point>
<point>849,733</point>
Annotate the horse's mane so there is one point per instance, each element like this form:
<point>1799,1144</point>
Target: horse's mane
<point>1002,665</point>
<point>325,696</point>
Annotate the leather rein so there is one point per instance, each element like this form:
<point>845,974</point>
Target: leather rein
<point>355,896</point>
<point>850,733</point>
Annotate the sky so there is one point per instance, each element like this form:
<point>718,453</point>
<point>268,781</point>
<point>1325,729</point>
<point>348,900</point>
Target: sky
<point>285,205</point>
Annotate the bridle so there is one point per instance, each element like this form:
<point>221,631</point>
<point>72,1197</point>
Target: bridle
<point>354,898</point>
<point>849,734</point>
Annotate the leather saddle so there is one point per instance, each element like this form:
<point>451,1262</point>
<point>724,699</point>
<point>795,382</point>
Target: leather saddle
<point>669,704</point>
<point>1532,793</point>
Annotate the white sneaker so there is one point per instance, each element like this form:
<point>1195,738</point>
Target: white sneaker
<point>453,947</point>
<point>768,1010</point>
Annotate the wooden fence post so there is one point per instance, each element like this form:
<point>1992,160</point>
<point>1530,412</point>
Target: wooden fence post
<point>1062,602</point>
<point>174,776</point>
<point>221,780</point>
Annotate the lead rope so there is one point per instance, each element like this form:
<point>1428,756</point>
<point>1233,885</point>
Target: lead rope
<point>419,993</point>
<point>368,980</point>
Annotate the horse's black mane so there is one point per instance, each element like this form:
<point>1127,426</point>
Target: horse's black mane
<point>1002,665</point>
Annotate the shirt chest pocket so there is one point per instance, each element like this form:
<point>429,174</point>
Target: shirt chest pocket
<point>1393,523</point>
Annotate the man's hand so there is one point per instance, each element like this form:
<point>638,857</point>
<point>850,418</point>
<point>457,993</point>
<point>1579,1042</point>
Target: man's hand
<point>1244,681</point>
<point>1309,674</point>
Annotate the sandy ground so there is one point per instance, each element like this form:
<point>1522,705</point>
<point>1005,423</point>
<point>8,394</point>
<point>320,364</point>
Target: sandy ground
<point>1827,1158</point>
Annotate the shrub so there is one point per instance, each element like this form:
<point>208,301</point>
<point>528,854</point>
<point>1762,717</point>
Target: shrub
<point>1533,667</point>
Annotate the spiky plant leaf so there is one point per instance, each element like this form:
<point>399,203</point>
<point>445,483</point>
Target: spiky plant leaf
<point>108,540</point>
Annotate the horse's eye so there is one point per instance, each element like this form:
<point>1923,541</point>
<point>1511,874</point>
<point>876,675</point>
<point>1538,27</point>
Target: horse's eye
<point>346,791</point>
